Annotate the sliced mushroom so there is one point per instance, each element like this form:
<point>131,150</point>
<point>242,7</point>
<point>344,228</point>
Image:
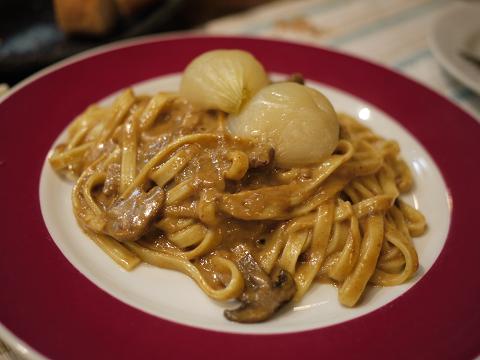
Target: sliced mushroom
<point>263,295</point>
<point>297,78</point>
<point>128,220</point>
<point>261,156</point>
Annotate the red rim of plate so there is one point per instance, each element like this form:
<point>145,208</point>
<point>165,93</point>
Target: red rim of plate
<point>48,304</point>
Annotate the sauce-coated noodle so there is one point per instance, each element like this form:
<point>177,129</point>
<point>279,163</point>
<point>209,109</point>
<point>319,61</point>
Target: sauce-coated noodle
<point>160,181</point>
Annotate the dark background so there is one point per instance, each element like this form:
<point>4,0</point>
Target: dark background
<point>30,39</point>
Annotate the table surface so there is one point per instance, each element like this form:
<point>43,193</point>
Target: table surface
<point>392,33</point>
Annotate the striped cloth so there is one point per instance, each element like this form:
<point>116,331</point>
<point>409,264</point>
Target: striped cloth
<point>392,33</point>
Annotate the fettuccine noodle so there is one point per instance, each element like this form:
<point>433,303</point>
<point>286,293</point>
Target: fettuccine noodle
<point>159,181</point>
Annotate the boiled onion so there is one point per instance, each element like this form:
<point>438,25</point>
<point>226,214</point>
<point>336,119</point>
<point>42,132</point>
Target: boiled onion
<point>299,122</point>
<point>222,80</point>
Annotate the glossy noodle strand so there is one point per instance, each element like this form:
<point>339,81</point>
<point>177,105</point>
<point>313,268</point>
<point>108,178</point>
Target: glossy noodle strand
<point>161,181</point>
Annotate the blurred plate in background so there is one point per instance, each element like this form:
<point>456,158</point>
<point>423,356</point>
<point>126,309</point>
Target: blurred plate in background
<point>453,33</point>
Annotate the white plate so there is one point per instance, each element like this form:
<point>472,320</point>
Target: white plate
<point>57,311</point>
<point>144,288</point>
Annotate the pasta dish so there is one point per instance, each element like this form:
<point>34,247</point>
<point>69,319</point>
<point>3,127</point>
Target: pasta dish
<point>253,189</point>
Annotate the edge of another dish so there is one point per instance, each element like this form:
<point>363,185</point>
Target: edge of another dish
<point>460,21</point>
